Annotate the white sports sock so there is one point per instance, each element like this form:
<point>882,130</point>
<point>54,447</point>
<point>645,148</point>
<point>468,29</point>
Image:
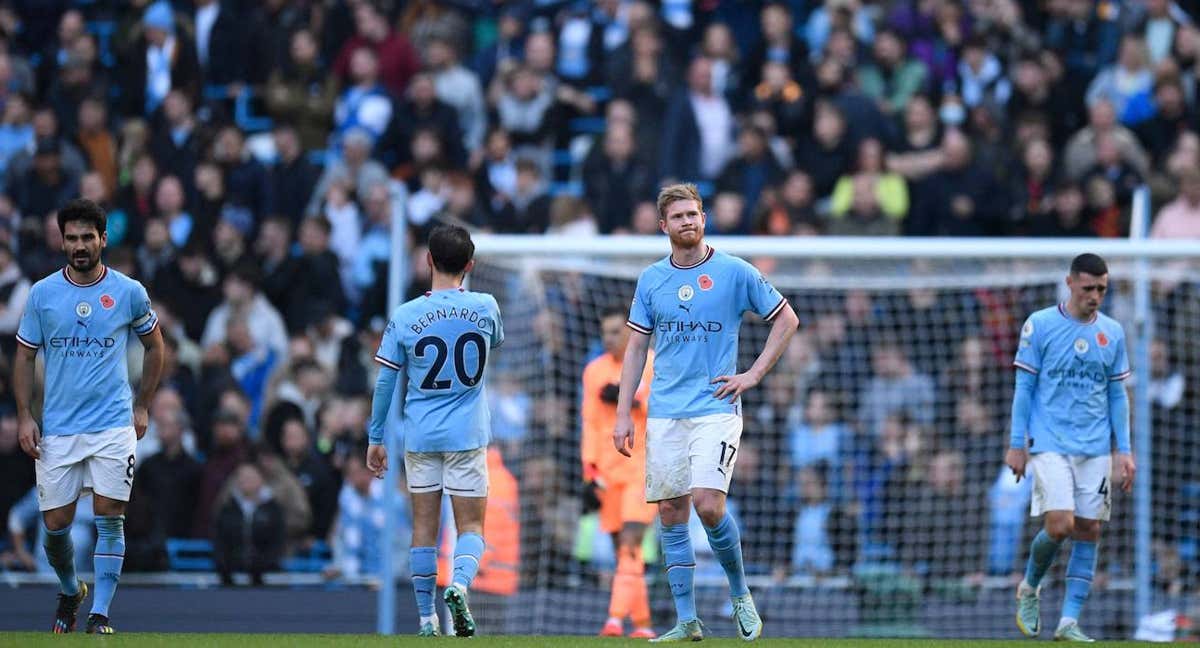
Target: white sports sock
<point>430,619</point>
<point>1066,621</point>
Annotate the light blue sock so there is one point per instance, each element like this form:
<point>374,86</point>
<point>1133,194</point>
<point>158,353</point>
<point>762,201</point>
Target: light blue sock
<point>423,561</point>
<point>726,543</point>
<point>467,552</point>
<point>60,551</point>
<point>108,557</point>
<point>1080,569</point>
<point>1041,556</point>
<point>681,568</point>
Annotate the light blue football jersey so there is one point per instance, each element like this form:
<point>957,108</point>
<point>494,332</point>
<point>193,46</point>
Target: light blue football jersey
<point>441,341</point>
<point>83,331</point>
<point>695,314</point>
<point>1074,362</point>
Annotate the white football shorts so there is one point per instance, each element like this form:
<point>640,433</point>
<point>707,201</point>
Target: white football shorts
<point>72,464</point>
<point>682,454</point>
<point>1072,483</point>
<point>464,473</point>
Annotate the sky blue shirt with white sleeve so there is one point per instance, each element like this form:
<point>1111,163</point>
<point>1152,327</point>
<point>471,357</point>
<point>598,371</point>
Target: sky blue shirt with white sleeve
<point>83,330</point>
<point>695,313</point>
<point>441,342</point>
<point>1074,363</point>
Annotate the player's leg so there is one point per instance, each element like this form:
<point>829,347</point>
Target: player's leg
<point>1053,498</point>
<point>610,523</point>
<point>636,515</point>
<point>668,476</point>
<point>424,475</point>
<point>466,480</point>
<point>59,481</point>
<point>1093,503</point>
<point>110,469</point>
<point>713,456</point>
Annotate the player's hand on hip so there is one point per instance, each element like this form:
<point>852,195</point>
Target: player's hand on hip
<point>1127,468</point>
<point>733,386</point>
<point>623,435</point>
<point>377,460</point>
<point>1016,458</point>
<point>141,420</point>
<point>30,437</point>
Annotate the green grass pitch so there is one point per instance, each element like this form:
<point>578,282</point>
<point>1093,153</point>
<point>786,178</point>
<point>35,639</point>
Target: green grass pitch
<point>140,640</point>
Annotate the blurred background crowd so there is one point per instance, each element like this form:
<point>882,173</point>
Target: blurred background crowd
<point>252,156</point>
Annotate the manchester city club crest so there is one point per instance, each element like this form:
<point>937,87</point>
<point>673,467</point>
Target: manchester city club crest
<point>1081,345</point>
<point>686,292</point>
<point>1027,330</point>
<point>83,309</point>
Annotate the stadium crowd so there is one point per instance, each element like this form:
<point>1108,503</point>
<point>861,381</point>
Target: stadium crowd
<point>252,155</point>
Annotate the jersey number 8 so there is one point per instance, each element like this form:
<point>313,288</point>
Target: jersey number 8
<point>431,382</point>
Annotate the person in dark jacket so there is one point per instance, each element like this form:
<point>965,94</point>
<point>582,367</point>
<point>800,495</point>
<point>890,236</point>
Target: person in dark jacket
<point>249,531</point>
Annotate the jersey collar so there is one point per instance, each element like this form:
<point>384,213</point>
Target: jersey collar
<point>1062,310</point>
<point>103,274</point>
<point>697,264</point>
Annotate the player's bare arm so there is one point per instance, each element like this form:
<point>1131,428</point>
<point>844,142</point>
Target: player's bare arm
<point>152,368</point>
<point>28,433</point>
<point>1015,459</point>
<point>631,375</point>
<point>782,329</point>
<point>377,460</point>
<point>1126,468</point>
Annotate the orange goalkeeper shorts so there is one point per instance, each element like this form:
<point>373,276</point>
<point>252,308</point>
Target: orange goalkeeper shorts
<point>624,502</point>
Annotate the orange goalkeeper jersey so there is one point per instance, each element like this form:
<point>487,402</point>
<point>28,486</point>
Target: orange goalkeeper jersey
<point>599,419</point>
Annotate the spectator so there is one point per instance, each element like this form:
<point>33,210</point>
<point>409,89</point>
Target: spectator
<point>1180,219</point>
<point>750,172</point>
<point>779,45</point>
<point>365,104</point>
<point>944,503</point>
<point>155,251</point>
<point>224,450</point>
<point>697,138</point>
<point>423,110</point>
<point>14,463</point>
<point>190,286</point>
<point>971,200</point>
<point>166,486</point>
<point>27,531</point>
<point>16,129</point>
<point>47,183</point>
<point>528,209</point>
<point>1171,119</point>
<point>782,96</point>
<point>243,301</point>
<point>320,484</point>
<point>245,177</point>
<point>176,145</point>
<point>1128,85</point>
<point>292,176</point>
<point>160,59</point>
<point>248,534</point>
<point>873,200</point>
<point>1087,37</point>
<point>827,153</point>
<point>397,59</point>
<point>895,387</point>
<point>891,79</point>
<point>982,79</point>
<point>301,92</point>
<point>47,257</point>
<point>169,207</point>
<point>250,363</point>
<point>813,546</point>
<point>14,290</point>
<point>220,43</point>
<point>356,172</point>
<point>97,142</point>
<point>615,178</point>
<point>1032,185</point>
<point>1080,153</point>
<point>459,88</point>
<point>361,512</point>
<point>1067,216</point>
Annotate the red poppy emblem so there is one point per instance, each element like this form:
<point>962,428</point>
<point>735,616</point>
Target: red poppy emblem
<point>705,282</point>
<point>1102,339</point>
<point>107,301</point>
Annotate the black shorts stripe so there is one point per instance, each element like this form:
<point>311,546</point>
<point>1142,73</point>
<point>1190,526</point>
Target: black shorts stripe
<point>461,490</point>
<point>425,486</point>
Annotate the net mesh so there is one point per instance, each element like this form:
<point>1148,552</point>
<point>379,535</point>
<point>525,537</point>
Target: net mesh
<point>870,487</point>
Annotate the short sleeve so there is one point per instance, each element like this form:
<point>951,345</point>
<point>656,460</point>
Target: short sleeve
<point>1029,351</point>
<point>1119,370</point>
<point>142,318</point>
<point>761,296</point>
<point>640,318</point>
<point>29,331</point>
<point>391,349</point>
<point>498,332</point>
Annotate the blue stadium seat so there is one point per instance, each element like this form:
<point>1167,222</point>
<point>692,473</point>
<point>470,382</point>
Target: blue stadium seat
<point>190,554</point>
<point>246,121</point>
<point>570,188</point>
<point>587,125</point>
<point>562,157</point>
<point>312,561</point>
<point>216,91</point>
<point>600,93</point>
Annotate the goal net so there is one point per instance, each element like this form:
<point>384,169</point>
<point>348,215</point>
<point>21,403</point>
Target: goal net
<point>870,487</point>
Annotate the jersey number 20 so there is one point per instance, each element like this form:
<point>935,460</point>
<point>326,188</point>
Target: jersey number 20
<point>441,351</point>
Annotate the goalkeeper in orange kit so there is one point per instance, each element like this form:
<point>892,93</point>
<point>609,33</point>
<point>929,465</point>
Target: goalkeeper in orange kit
<point>617,481</point>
